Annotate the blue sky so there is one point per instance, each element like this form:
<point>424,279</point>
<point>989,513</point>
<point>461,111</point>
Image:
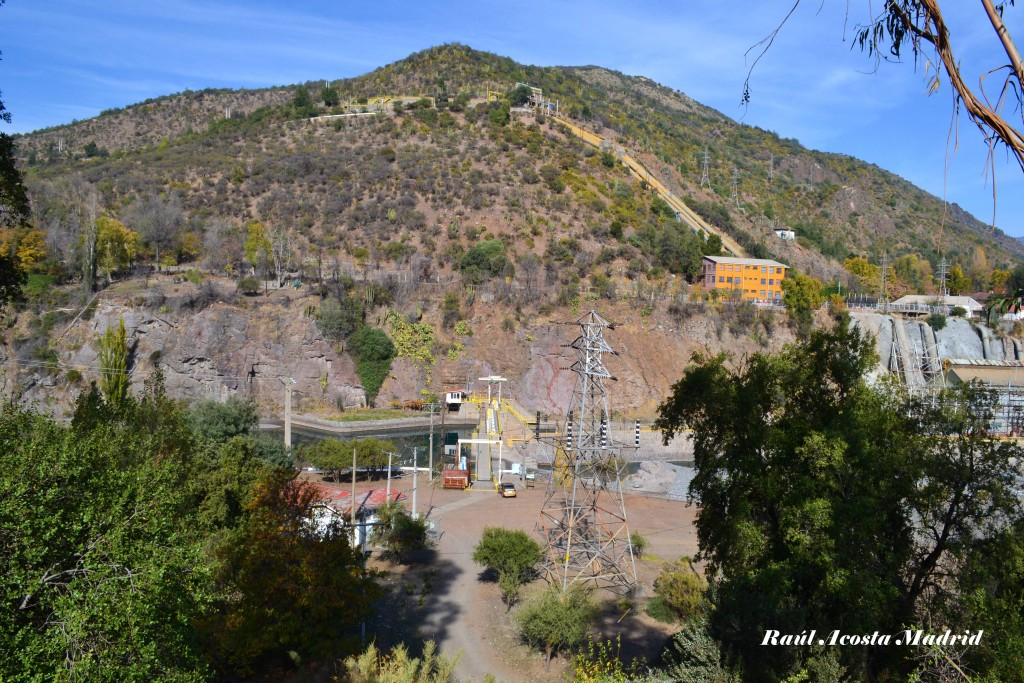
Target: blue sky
<point>68,59</point>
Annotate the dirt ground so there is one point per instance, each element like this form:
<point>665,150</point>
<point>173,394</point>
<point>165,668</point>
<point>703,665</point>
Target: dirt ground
<point>446,599</point>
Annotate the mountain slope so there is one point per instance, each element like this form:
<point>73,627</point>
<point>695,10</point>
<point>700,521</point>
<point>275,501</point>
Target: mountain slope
<point>248,155</point>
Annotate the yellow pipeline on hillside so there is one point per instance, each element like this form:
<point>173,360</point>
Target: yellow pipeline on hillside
<point>686,214</point>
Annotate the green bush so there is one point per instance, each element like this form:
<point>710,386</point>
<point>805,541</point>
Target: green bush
<point>485,260</point>
<point>692,656</point>
<point>659,609</point>
<point>510,553</point>
<point>682,588</point>
<point>249,286</point>
<point>638,543</point>
<point>936,321</point>
<point>958,312</point>
<point>338,318</point>
<point>401,534</point>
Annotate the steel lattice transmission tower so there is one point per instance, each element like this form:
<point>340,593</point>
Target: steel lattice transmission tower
<point>583,521</point>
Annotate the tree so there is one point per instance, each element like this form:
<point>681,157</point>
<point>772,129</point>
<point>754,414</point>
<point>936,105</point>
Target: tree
<point>302,103</point>
<point>158,220</point>
<point>919,25</point>
<point>14,205</point>
<point>557,619</point>
<point>868,274</point>
<point>520,95</point>
<point>339,318</point>
<point>802,295</point>
<point>114,377</point>
<point>956,281</point>
<point>257,248</point>
<point>331,455</point>
<point>285,587</point>
<point>485,260</point>
<point>67,210</point>
<point>401,534</point>
<point>329,95</point>
<point>220,421</point>
<point>335,455</point>
<point>280,239</point>
<point>12,277</point>
<point>512,555</point>
<point>102,566</point>
<point>116,245</point>
<point>827,500</point>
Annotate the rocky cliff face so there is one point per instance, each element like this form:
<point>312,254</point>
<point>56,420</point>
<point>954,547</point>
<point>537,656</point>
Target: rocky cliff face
<point>227,345</point>
<point>914,349</point>
<point>244,348</point>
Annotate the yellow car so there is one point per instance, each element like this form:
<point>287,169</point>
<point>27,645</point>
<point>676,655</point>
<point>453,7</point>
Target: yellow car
<point>507,490</point>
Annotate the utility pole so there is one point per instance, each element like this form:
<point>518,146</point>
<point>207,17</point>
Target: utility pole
<point>288,383</point>
<point>352,507</point>
<point>415,480</point>
<point>387,493</point>
<point>943,289</point>
<point>432,407</point>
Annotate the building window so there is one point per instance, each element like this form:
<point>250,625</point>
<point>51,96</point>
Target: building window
<point>721,278</point>
<point>763,282</point>
<point>763,269</point>
<point>771,281</point>
<point>762,293</point>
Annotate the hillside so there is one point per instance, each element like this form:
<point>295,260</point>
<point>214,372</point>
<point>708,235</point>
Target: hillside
<point>415,196</point>
<point>216,147</point>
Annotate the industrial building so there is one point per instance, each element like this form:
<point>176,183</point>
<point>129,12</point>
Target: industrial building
<point>756,279</point>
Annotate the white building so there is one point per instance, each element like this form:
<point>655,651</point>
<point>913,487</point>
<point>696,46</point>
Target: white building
<point>922,301</point>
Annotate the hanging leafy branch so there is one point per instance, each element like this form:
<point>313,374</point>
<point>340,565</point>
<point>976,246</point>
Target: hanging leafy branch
<point>921,27</point>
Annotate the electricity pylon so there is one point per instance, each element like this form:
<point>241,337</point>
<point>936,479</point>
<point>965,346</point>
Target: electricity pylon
<point>583,521</point>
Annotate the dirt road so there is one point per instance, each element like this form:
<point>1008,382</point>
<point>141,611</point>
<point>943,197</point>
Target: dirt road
<point>463,613</point>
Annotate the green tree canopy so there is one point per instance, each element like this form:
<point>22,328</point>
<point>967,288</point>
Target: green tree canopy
<point>512,555</point>
<point>826,500</point>
<point>329,95</point>
<point>113,356</point>
<point>802,295</point>
<point>486,260</point>
<point>519,95</point>
<point>219,421</point>
<point>102,566</point>
<point>335,455</point>
<point>339,318</point>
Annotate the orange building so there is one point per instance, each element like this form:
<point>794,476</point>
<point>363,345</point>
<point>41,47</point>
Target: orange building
<point>757,279</point>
